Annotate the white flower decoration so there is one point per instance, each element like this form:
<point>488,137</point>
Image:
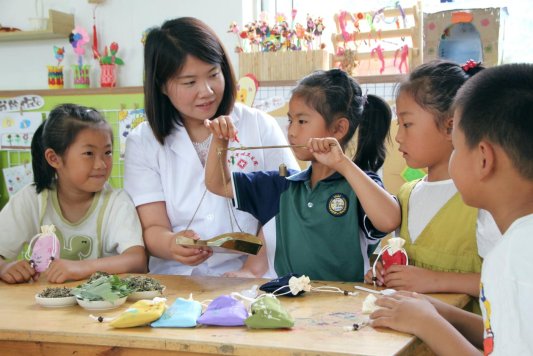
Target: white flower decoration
<point>298,284</point>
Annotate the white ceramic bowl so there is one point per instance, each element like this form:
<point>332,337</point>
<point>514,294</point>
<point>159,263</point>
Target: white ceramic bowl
<point>100,304</point>
<point>55,302</point>
<point>149,294</point>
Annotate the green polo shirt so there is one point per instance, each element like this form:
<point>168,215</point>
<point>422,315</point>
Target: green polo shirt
<point>317,229</point>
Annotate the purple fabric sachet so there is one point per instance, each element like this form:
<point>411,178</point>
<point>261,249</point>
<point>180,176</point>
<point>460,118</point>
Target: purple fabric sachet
<point>224,311</point>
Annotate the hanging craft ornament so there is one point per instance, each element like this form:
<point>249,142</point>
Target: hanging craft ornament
<point>96,54</point>
<point>44,248</point>
<point>391,254</point>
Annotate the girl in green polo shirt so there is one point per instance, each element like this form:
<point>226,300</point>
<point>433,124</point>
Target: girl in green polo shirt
<point>439,229</point>
<point>330,216</point>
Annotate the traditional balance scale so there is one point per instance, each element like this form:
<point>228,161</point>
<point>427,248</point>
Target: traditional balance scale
<point>238,241</point>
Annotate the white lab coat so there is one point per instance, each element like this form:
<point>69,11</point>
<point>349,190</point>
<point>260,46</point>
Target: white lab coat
<point>173,173</point>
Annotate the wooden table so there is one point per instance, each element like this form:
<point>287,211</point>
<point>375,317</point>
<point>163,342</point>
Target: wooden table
<point>29,329</point>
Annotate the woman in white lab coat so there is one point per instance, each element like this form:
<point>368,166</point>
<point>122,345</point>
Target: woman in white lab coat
<point>189,78</point>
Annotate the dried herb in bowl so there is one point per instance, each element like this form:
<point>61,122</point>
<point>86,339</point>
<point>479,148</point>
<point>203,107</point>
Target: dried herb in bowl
<point>143,284</point>
<point>97,275</point>
<point>55,292</point>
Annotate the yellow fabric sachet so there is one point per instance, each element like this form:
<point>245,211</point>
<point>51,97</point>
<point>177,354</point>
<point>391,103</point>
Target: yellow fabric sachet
<point>140,313</point>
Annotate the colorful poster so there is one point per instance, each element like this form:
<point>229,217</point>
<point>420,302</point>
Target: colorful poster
<point>17,177</point>
<point>16,129</point>
<point>127,121</point>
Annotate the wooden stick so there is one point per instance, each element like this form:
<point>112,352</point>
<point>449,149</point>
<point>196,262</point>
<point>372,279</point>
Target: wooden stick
<point>244,148</point>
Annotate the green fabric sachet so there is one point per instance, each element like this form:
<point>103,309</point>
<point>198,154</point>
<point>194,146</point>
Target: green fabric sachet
<point>267,313</point>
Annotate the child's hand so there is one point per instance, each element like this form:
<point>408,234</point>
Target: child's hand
<point>18,272</point>
<point>380,273</point>
<point>411,278</point>
<point>61,270</point>
<point>326,150</point>
<point>190,256</point>
<point>405,313</point>
<point>222,127</point>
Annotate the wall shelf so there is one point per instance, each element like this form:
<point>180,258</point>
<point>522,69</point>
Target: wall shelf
<point>60,25</point>
<point>72,91</point>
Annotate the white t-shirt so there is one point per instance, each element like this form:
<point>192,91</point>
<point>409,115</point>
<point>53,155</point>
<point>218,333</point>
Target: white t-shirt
<point>506,292</point>
<point>174,174</point>
<point>427,198</point>
<point>110,226</point>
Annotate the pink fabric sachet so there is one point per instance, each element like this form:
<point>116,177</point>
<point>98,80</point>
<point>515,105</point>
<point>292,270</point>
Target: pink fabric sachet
<point>44,248</point>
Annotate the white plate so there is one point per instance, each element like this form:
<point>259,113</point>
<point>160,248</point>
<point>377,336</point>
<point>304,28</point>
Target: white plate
<point>55,302</point>
<point>149,294</point>
<point>100,304</point>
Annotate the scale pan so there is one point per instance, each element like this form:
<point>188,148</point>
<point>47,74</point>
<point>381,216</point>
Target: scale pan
<point>232,242</point>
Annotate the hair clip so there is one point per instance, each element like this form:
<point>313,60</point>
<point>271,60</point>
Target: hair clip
<point>470,64</point>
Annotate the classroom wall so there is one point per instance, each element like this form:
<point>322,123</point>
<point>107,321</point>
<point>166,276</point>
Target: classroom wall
<point>23,63</point>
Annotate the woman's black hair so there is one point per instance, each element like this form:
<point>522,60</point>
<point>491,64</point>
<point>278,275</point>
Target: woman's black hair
<point>433,86</point>
<point>63,125</point>
<point>334,94</point>
<point>165,52</point>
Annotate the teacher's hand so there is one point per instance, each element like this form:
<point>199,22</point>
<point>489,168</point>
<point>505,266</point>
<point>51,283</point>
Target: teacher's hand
<point>190,256</point>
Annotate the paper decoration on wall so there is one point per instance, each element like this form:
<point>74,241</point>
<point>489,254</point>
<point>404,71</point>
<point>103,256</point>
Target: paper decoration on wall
<point>21,103</point>
<point>460,35</point>
<point>127,121</point>
<point>16,130</point>
<point>17,177</point>
<point>246,89</point>
<point>270,104</point>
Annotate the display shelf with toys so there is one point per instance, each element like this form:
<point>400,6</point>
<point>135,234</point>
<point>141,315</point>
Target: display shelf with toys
<point>387,41</point>
<point>281,50</point>
<point>59,26</point>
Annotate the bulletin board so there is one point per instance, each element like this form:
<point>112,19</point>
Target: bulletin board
<point>113,104</point>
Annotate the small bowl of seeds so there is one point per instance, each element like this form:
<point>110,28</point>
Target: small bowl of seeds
<point>55,297</point>
<point>144,287</point>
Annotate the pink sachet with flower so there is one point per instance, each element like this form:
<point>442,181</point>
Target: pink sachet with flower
<point>43,248</point>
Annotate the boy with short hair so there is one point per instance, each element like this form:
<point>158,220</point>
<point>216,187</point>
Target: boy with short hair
<point>492,167</point>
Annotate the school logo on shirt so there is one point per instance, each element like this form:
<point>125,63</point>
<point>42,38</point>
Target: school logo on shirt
<point>242,160</point>
<point>338,204</point>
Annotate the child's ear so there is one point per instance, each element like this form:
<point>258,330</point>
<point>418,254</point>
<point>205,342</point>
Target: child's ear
<point>449,127</point>
<point>487,159</point>
<point>52,158</point>
<point>340,128</point>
